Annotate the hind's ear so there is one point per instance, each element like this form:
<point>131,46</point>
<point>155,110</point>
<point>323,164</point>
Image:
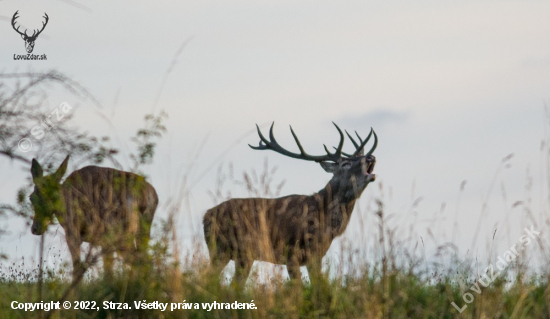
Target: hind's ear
<point>36,169</point>
<point>62,169</point>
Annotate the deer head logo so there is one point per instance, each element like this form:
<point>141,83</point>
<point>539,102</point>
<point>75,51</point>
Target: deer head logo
<point>29,40</point>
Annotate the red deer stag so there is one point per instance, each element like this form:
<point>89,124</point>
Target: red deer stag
<point>295,230</point>
<point>102,206</point>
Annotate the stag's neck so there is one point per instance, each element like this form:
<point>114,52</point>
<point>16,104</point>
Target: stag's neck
<point>337,206</point>
<point>334,192</point>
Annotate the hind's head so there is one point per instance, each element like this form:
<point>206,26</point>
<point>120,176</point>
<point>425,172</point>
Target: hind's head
<point>46,198</point>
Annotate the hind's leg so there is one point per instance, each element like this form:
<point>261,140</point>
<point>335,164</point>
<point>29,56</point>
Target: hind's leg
<point>74,249</point>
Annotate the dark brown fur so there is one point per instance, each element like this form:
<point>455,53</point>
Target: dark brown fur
<point>109,206</point>
<point>99,205</point>
<point>294,230</point>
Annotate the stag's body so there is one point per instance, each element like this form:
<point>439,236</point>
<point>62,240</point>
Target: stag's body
<point>104,207</point>
<point>295,230</point>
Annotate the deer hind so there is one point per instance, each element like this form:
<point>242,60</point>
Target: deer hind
<point>29,40</point>
<point>102,206</point>
<point>294,230</point>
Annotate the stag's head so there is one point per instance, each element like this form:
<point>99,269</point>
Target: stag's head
<point>29,40</point>
<point>351,172</point>
<point>46,199</point>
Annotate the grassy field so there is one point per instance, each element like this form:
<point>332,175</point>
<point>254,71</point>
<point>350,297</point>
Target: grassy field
<point>396,295</point>
<point>386,287</point>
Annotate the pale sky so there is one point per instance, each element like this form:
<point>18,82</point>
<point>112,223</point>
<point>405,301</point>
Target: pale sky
<point>451,88</point>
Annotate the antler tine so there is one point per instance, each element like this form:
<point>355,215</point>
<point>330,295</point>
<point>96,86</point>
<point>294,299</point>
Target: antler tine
<point>343,153</point>
<point>341,144</point>
<point>272,144</point>
<point>15,16</point>
<point>363,142</point>
<point>43,24</point>
<point>359,147</point>
<point>297,141</point>
<point>326,149</point>
<point>375,143</point>
<point>359,137</point>
<point>352,140</point>
<point>262,139</point>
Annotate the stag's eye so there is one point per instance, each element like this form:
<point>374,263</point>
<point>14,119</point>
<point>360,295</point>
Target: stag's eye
<point>346,165</point>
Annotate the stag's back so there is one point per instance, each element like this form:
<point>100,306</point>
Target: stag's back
<point>262,227</point>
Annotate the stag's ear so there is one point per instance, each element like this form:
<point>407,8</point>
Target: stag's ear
<point>62,169</point>
<point>36,169</point>
<point>329,167</point>
<point>23,36</point>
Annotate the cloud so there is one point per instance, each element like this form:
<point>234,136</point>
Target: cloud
<point>376,118</point>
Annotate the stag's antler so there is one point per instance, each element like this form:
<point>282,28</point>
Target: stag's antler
<point>359,148</point>
<point>15,16</point>
<point>43,25</point>
<point>272,144</point>
<point>35,32</point>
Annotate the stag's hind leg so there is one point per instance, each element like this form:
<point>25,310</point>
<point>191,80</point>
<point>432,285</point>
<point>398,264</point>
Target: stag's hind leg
<point>294,271</point>
<point>293,268</point>
<point>147,213</point>
<point>218,243</point>
<point>220,253</point>
<point>142,238</point>
<point>107,264</point>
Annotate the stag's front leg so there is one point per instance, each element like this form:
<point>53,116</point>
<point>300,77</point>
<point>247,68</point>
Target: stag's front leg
<point>242,270</point>
<point>314,269</point>
<point>293,268</point>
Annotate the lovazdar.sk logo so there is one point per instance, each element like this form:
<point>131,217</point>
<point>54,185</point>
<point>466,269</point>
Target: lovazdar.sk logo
<point>29,39</point>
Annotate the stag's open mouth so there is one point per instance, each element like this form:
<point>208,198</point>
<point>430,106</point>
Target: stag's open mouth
<point>370,167</point>
<point>368,172</point>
